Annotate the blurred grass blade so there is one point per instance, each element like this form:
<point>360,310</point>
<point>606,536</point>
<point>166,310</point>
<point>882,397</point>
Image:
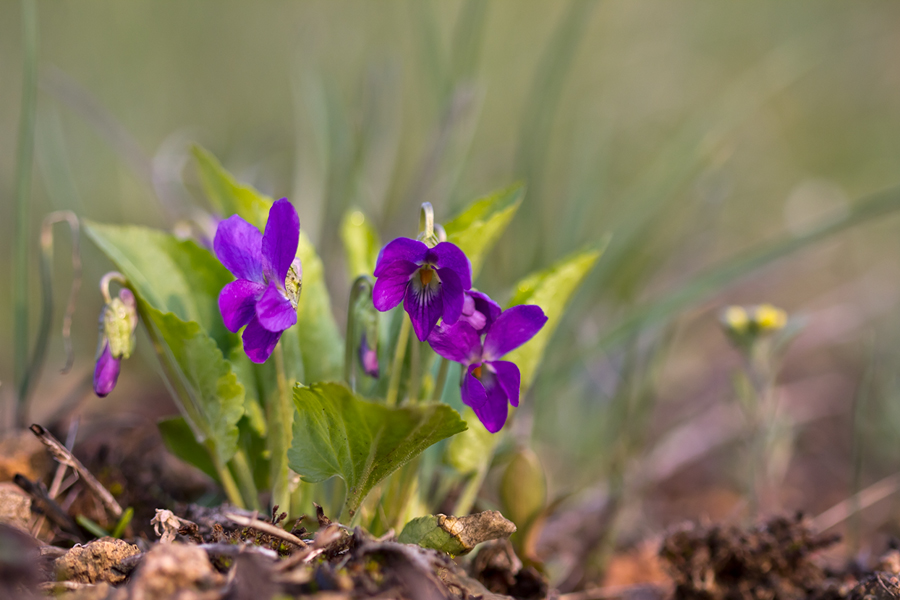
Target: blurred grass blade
<point>467,39</point>
<point>24,157</point>
<point>869,208</point>
<point>361,244</point>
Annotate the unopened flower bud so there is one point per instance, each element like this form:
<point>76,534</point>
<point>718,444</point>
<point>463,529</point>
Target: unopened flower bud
<point>523,489</point>
<point>118,322</point>
<point>368,357</point>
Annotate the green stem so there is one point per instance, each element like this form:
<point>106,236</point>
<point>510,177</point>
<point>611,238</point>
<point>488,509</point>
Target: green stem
<point>441,380</point>
<point>470,493</point>
<point>245,479</point>
<point>231,489</point>
<point>397,365</point>
<point>361,284</point>
<point>415,371</point>
<point>280,424</point>
<point>24,158</point>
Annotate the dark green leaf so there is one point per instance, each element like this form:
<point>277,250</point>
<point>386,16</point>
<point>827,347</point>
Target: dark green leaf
<point>337,433</point>
<point>481,224</point>
<point>180,440</point>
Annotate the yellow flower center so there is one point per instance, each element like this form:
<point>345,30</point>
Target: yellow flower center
<point>477,372</point>
<point>425,275</point>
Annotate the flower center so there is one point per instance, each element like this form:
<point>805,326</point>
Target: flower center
<point>293,283</point>
<point>477,372</point>
<point>425,275</point>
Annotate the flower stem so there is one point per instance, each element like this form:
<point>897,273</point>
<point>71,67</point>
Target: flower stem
<point>438,392</point>
<point>231,489</point>
<point>24,159</point>
<point>281,419</point>
<point>470,493</point>
<point>415,372</point>
<point>245,479</point>
<point>397,365</point>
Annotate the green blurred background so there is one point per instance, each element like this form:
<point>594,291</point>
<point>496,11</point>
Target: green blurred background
<point>690,131</point>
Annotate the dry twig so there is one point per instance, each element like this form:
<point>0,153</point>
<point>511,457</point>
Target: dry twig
<point>268,528</point>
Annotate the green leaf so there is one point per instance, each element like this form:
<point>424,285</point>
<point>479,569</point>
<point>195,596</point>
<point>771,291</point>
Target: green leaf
<point>337,433</point>
<point>227,195</point>
<point>321,344</point>
<point>481,224</point>
<point>456,535</point>
<point>212,398</point>
<point>171,275</point>
<point>180,441</point>
<point>551,289</point>
<point>361,244</point>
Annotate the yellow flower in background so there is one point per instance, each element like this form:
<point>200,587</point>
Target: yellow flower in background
<point>736,320</point>
<point>769,318</point>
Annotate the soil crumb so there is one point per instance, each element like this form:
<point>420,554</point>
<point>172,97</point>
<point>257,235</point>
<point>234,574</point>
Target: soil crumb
<point>771,561</point>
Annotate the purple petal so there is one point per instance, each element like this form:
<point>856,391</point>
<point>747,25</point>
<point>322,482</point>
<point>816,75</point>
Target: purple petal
<point>508,378</point>
<point>238,245</point>
<point>513,327</point>
<point>458,342</point>
<point>274,311</point>
<point>279,243</point>
<point>259,342</point>
<point>452,295</point>
<point>368,358</point>
<point>490,408</point>
<point>400,249</point>
<point>237,302</point>
<point>390,287</point>
<point>470,315</point>
<point>424,305</point>
<point>106,373</point>
<point>484,305</point>
<point>448,256</point>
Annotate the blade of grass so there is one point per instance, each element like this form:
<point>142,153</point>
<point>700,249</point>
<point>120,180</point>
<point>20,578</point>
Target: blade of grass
<point>24,157</point>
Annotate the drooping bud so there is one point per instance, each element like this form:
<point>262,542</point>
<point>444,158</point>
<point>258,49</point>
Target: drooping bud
<point>368,357</point>
<point>523,489</point>
<point>118,322</point>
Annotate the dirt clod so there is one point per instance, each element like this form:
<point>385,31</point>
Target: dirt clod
<point>95,562</point>
<point>500,570</point>
<point>174,571</point>
<point>771,560</point>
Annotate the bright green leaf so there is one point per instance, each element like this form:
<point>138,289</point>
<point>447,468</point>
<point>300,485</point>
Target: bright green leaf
<point>213,400</point>
<point>456,535</point>
<point>337,433</point>
<point>180,441</point>
<point>227,195</point>
<point>477,228</point>
<point>361,243</point>
<point>466,452</point>
<point>171,275</point>
<point>551,289</point>
<point>320,341</point>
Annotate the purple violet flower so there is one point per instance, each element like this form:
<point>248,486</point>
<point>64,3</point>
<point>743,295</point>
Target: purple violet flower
<point>489,382</point>
<point>118,322</point>
<point>429,281</point>
<point>265,294</point>
<point>479,310</point>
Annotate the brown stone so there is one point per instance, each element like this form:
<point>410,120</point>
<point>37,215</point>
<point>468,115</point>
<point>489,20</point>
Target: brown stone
<point>95,561</point>
<point>15,506</point>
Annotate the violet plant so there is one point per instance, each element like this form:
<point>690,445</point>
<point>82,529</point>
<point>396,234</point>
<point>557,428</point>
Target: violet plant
<point>279,408</point>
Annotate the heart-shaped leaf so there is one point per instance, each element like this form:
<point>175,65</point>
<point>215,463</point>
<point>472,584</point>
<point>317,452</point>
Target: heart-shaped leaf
<point>338,433</point>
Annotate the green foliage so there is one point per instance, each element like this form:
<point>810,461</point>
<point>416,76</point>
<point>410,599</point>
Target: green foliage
<point>466,452</point>
<point>337,433</point>
<point>174,276</point>
<point>320,341</point>
<point>211,396</point>
<point>481,224</point>
<point>227,195</point>
<point>551,289</point>
<point>361,244</point>
<point>177,285</point>
<point>180,441</point>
